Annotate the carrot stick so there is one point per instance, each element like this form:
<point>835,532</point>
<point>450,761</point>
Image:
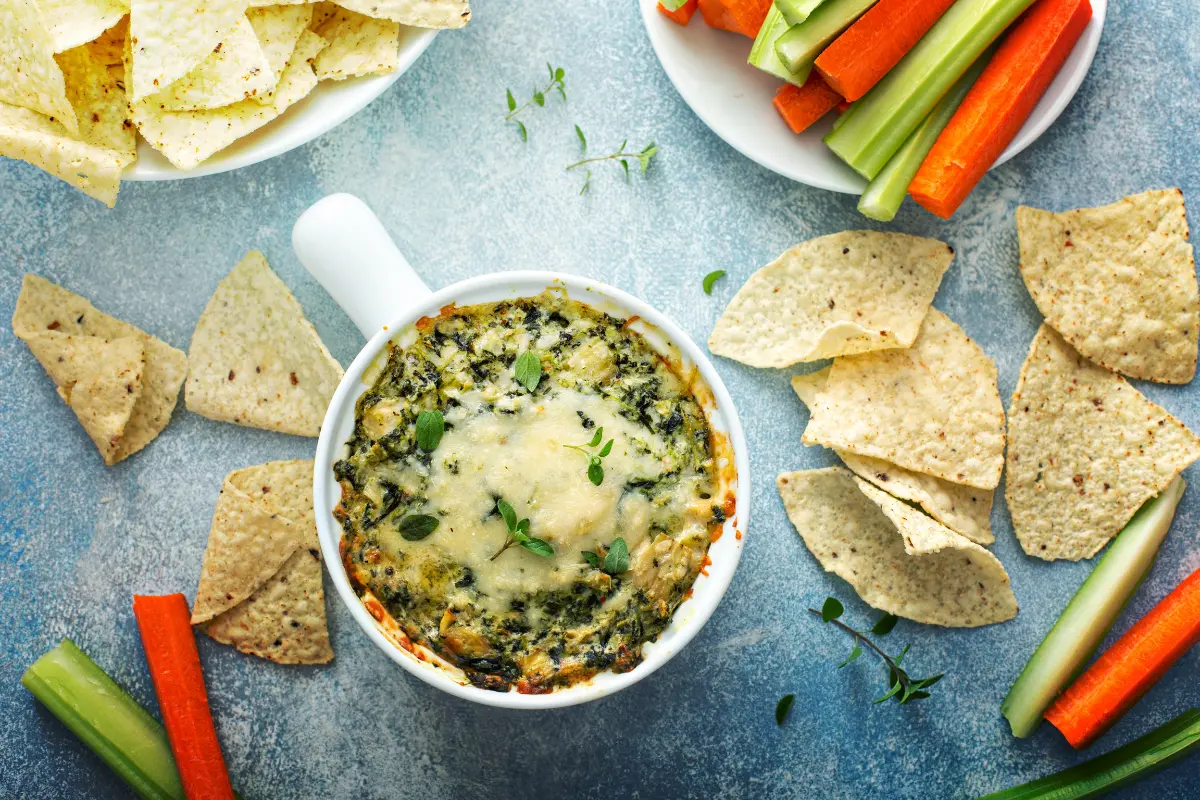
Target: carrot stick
<point>999,103</point>
<point>682,15</point>
<point>801,106</point>
<point>1129,668</point>
<point>740,16</point>
<point>869,48</point>
<point>841,107</point>
<point>170,645</point>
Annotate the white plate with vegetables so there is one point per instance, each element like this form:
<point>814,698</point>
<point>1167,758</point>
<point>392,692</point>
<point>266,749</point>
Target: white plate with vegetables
<point>709,68</point>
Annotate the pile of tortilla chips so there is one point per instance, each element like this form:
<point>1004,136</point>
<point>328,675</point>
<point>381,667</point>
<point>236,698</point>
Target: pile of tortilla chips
<point>121,382</point>
<point>192,76</point>
<point>260,583</point>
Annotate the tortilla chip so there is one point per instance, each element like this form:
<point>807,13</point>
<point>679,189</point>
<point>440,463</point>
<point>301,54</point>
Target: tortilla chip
<point>933,408</point>
<point>1118,282</point>
<point>284,621</point>
<point>358,45</point>
<point>29,136</point>
<point>235,71</point>
<point>99,379</point>
<point>848,293</point>
<point>897,559</point>
<point>99,103</point>
<point>169,38</point>
<point>962,509</point>
<point>282,487</point>
<point>29,77</point>
<point>188,137</point>
<point>278,28</point>
<point>417,13</point>
<point>255,360</point>
<point>109,49</point>
<point>76,22</point>
<point>1085,451</point>
<point>43,306</point>
<point>322,11</point>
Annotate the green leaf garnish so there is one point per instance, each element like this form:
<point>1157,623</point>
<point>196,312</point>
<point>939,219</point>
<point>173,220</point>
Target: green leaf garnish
<point>512,101</point>
<point>582,139</point>
<point>518,533</point>
<point>595,470</point>
<point>616,560</point>
<point>537,98</point>
<point>783,707</point>
<point>537,546</point>
<point>832,609</point>
<point>883,626</point>
<point>712,278</point>
<point>620,156</point>
<point>416,527</point>
<point>592,559</point>
<point>528,370</point>
<point>430,427</point>
<point>854,654</point>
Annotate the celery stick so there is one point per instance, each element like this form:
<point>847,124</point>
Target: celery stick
<point>106,719</point>
<point>1091,612</point>
<point>879,123</point>
<point>804,42</point>
<point>672,5</point>
<point>887,191</point>
<point>1139,759</point>
<point>796,11</point>
<point>762,54</point>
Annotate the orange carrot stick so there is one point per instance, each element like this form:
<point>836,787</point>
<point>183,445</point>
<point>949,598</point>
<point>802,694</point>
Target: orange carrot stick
<point>1129,668</point>
<point>842,107</point>
<point>801,106</point>
<point>170,645</point>
<point>740,16</point>
<point>875,43</point>
<point>682,15</point>
<point>999,103</point>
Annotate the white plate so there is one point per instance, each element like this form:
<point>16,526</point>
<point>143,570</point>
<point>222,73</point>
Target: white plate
<point>326,107</point>
<point>708,67</point>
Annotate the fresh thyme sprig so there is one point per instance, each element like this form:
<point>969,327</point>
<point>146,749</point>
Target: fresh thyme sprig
<point>902,687</point>
<point>595,471</point>
<point>518,534</point>
<point>538,98</point>
<point>642,157</point>
<point>615,559</point>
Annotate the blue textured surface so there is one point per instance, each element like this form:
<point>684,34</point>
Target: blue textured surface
<point>463,196</point>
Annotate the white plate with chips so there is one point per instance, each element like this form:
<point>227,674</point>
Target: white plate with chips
<point>326,107</point>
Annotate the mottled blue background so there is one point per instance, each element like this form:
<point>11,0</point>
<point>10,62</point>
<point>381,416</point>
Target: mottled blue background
<point>463,196</point>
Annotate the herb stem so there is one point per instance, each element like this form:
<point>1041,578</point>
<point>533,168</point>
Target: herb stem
<point>610,157</point>
<point>549,86</point>
<point>508,542</point>
<point>861,638</point>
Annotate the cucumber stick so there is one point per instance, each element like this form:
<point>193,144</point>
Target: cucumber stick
<point>876,126</point>
<point>1074,638</point>
<point>802,43</point>
<point>796,11</point>
<point>762,54</point>
<point>887,191</point>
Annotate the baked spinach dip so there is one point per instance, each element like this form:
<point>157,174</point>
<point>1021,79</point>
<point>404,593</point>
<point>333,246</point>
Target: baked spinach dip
<point>530,491</point>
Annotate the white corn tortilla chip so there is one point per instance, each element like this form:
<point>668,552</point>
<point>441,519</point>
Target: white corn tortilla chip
<point>1118,282</point>
<point>109,49</point>
<point>284,620</point>
<point>235,71</point>
<point>848,293</point>
<point>170,37</point>
<point>897,559</point>
<point>1085,451</point>
<point>29,76</point>
<point>75,22</point>
<point>42,306</point>
<point>283,487</point>
<point>29,136</point>
<point>265,3</point>
<point>933,408</point>
<point>322,10</point>
<point>188,137</point>
<point>278,29</point>
<point>358,45</point>
<point>417,13</point>
<point>962,509</point>
<point>99,103</point>
<point>255,360</point>
<point>99,379</point>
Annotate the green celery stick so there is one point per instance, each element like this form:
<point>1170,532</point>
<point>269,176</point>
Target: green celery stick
<point>876,126</point>
<point>763,56</point>
<point>672,5</point>
<point>802,43</point>
<point>796,11</point>
<point>106,719</point>
<point>887,191</point>
<point>1091,612</point>
<point>1126,765</point>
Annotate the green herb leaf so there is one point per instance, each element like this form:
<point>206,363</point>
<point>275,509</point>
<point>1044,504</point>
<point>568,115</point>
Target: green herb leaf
<point>528,370</point>
<point>616,560</point>
<point>559,74</point>
<point>539,98</point>
<point>604,451</point>
<point>595,473</point>
<point>537,547</point>
<point>522,528</point>
<point>712,278</point>
<point>521,129</point>
<point>598,437</point>
<point>512,101</point>
<point>883,626</point>
<point>647,153</point>
<point>592,559</point>
<point>506,511</point>
<point>416,527</point>
<point>783,707</point>
<point>897,687</point>
<point>854,654</point>
<point>832,609</point>
<point>582,139</point>
<point>430,427</point>
<point>625,168</point>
